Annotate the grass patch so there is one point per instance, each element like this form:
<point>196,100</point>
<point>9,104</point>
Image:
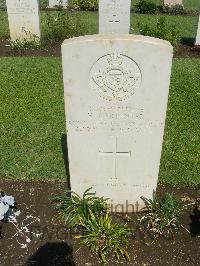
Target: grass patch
<point>4,28</point>
<point>32,121</point>
<point>191,4</point>
<point>32,118</point>
<point>180,158</point>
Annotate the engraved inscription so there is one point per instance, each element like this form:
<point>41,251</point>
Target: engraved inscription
<point>112,127</point>
<point>115,8</point>
<point>21,7</point>
<point>115,112</point>
<point>110,119</point>
<point>115,184</point>
<point>115,77</point>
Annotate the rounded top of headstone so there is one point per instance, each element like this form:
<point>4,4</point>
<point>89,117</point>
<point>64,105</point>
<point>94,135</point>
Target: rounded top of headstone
<point>115,37</point>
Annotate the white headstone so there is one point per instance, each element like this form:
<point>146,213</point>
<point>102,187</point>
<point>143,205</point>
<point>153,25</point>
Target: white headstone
<point>173,2</point>
<point>114,16</point>
<point>54,3</point>
<point>197,42</point>
<point>23,17</point>
<point>116,91</point>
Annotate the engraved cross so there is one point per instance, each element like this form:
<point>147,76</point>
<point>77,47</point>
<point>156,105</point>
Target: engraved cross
<point>114,154</point>
<point>114,19</point>
<point>113,6</point>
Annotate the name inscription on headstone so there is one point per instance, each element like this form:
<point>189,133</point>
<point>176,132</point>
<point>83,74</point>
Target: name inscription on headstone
<point>110,119</point>
<point>22,6</point>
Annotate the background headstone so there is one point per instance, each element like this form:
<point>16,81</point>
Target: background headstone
<point>197,42</point>
<point>54,3</point>
<point>23,17</point>
<point>116,91</point>
<point>114,16</point>
<point>173,2</point>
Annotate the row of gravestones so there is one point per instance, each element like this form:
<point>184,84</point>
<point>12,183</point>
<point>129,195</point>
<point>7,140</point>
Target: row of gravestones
<point>116,89</point>
<point>64,3</point>
<point>24,20</point>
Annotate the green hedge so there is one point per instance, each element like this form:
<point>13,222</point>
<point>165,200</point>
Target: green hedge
<point>89,5</point>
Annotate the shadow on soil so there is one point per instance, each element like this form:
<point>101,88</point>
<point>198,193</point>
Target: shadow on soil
<point>1,234</point>
<point>65,157</point>
<point>195,222</point>
<point>188,41</point>
<point>52,254</point>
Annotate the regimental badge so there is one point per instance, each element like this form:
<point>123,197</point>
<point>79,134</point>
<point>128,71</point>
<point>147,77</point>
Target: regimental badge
<point>115,77</point>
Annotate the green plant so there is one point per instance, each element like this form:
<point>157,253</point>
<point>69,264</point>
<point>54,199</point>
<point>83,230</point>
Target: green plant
<point>162,216</point>
<point>90,5</point>
<point>63,24</point>
<point>173,9</point>
<point>74,4</point>
<point>163,31</point>
<point>76,210</point>
<point>31,41</point>
<point>43,4</point>
<point>146,7</point>
<point>104,237</point>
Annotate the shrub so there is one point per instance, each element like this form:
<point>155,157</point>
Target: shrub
<point>43,4</point>
<point>76,210</point>
<point>162,216</point>
<point>61,25</point>
<point>173,9</point>
<point>146,7</point>
<point>91,5</point>
<point>19,46</point>
<point>104,237</point>
<point>99,232</point>
<point>74,4</point>
<point>162,31</point>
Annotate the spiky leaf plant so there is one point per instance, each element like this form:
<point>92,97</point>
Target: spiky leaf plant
<point>162,216</point>
<point>75,209</point>
<point>104,237</point>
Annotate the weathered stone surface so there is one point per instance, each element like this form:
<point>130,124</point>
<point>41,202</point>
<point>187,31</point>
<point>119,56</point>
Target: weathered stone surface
<point>54,3</point>
<point>114,16</point>
<point>116,90</point>
<point>173,2</point>
<point>197,42</point>
<point>23,17</point>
